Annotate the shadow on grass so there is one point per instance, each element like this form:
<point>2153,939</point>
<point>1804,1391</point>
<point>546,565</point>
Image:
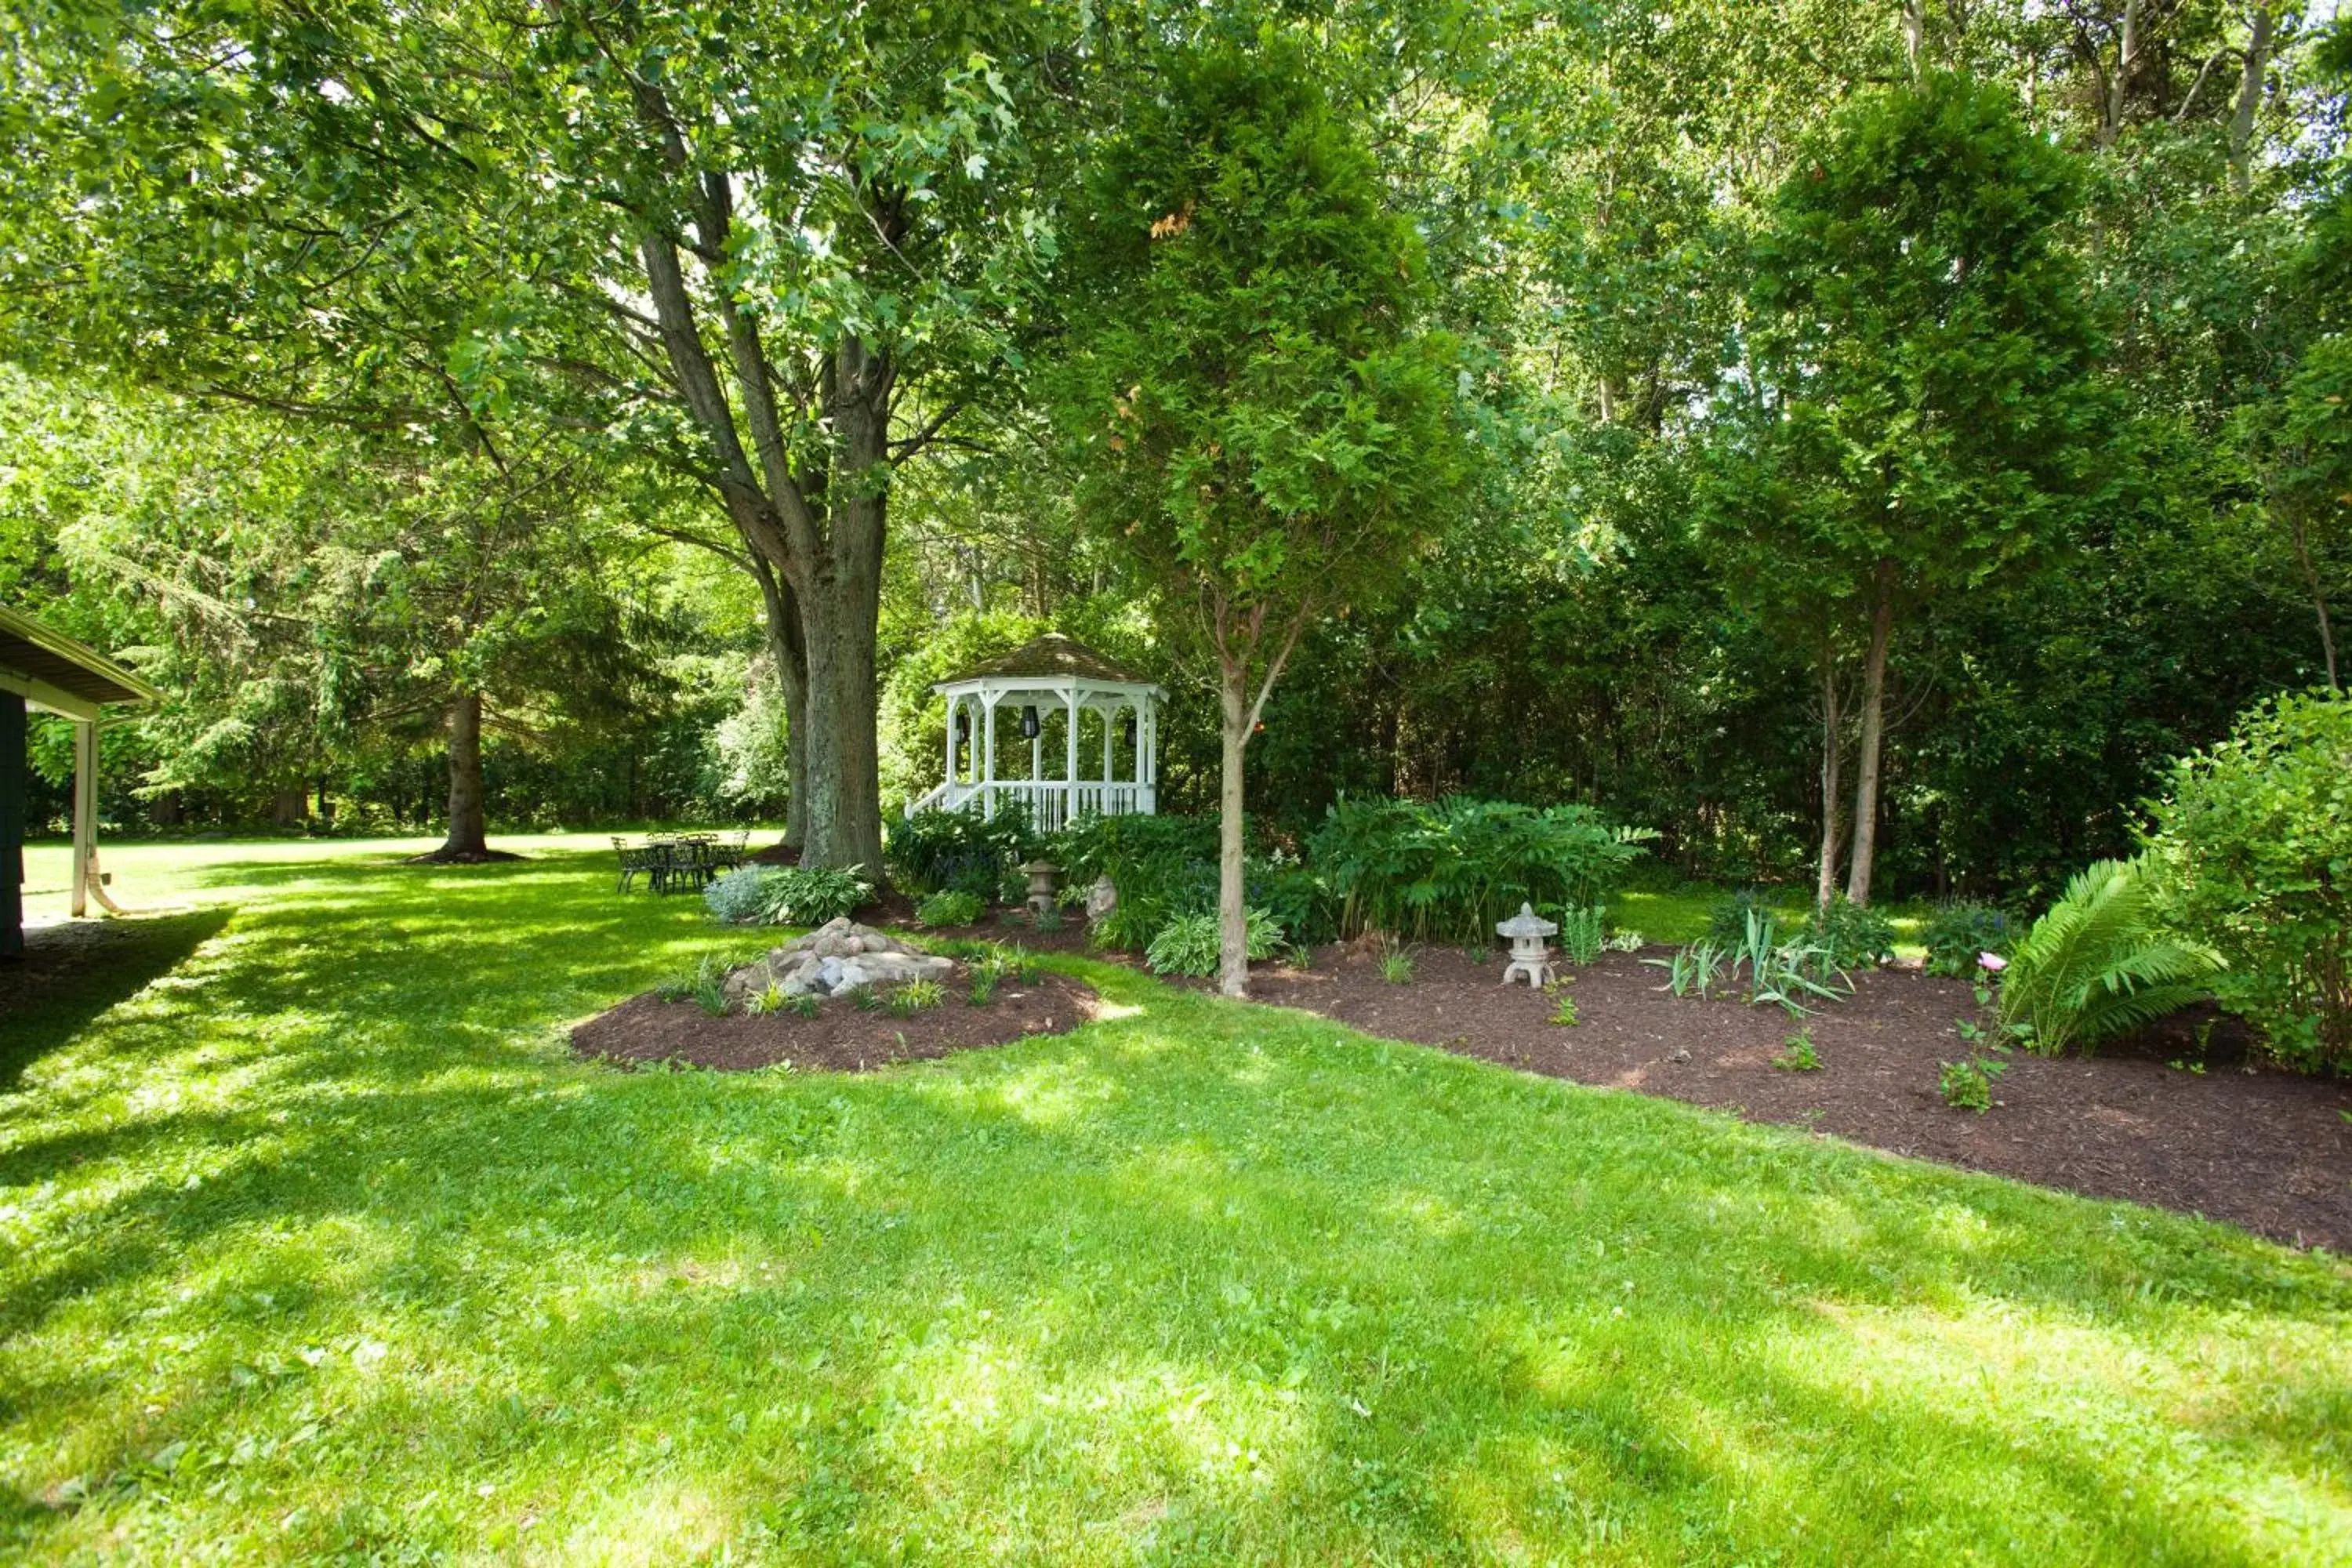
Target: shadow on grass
<point>1200,1280</point>
<point>71,975</point>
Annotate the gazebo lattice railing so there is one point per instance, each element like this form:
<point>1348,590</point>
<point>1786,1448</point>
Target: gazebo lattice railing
<point>1023,690</point>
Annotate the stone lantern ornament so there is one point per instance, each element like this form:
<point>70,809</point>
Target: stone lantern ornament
<point>1045,880</point>
<point>1530,955</point>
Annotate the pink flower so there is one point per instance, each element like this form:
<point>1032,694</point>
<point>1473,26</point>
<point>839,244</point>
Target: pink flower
<point>1991,962</point>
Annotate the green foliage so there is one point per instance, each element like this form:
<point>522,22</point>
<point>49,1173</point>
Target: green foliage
<point>912,997</point>
<point>785,895</point>
<point>1563,1010</point>
<point>985,980</point>
<point>2252,857</point>
<point>1165,865</point>
<point>1967,1085</point>
<point>1852,935</point>
<point>1727,919</point>
<point>1797,1054</point>
<point>769,998</point>
<point>739,897</point>
<point>1786,974</point>
<point>808,1004</point>
<point>2098,964</point>
<point>1960,933</point>
<point>951,908</point>
<point>1396,966</point>
<point>1582,933</point>
<point>1692,971</point>
<point>1188,945</point>
<point>962,851</point>
<point>1449,871</point>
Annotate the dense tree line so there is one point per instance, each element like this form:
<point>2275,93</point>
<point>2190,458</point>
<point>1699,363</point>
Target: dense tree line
<point>1864,444</point>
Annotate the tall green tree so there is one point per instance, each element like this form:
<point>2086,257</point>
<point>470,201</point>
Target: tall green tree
<point>1254,406</point>
<point>775,249</point>
<point>1918,409</point>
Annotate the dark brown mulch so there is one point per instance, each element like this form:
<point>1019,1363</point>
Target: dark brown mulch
<point>2262,1148</point>
<point>841,1037</point>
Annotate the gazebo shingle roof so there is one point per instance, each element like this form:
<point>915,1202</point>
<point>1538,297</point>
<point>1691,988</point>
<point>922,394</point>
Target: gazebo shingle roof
<point>1049,657</point>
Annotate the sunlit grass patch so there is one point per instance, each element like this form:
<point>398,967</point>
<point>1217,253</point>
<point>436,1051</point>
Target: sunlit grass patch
<point>317,1244</point>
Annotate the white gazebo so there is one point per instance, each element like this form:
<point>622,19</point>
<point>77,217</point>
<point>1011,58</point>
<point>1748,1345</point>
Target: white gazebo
<point>1107,720</point>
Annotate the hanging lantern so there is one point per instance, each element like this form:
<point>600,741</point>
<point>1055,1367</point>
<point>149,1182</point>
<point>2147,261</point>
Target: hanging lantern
<point>1127,729</point>
<point>963,726</point>
<point>1029,725</point>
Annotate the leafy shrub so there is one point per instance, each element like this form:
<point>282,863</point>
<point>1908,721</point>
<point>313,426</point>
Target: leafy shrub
<point>952,907</point>
<point>739,897</point>
<point>785,895</point>
<point>963,851</point>
<point>1164,867</point>
<point>1582,932</point>
<point>984,982</point>
<point>808,1004</point>
<point>2252,857</point>
<point>1968,1085</point>
<point>1450,871</point>
<point>1797,1055</point>
<point>1853,936</point>
<point>1189,944</point>
<point>1959,932</point>
<point>2096,964</point>
<point>1563,1012</point>
<point>1726,919</point>
<point>1396,966</point>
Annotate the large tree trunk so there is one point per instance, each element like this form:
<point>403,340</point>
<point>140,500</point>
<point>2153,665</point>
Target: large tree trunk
<point>2318,600</point>
<point>1232,913</point>
<point>788,651</point>
<point>1873,720</point>
<point>2250,100</point>
<point>1833,780</point>
<point>467,842</point>
<point>841,607</point>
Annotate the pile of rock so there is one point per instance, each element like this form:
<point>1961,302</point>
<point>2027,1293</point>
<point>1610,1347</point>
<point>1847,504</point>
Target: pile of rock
<point>836,959</point>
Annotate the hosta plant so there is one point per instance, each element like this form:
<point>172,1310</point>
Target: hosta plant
<point>1188,945</point>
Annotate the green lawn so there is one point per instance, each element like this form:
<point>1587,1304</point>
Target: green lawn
<point>318,1245</point>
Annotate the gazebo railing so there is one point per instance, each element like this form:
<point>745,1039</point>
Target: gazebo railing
<point>1052,802</point>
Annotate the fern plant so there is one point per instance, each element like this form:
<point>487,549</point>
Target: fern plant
<point>2096,966</point>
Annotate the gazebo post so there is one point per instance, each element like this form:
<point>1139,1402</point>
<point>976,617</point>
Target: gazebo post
<point>12,825</point>
<point>953,708</point>
<point>85,813</point>
<point>988,776</point>
<point>1070,769</point>
<point>1110,722</point>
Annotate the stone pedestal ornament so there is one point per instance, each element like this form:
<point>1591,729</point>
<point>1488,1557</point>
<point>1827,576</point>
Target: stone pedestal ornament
<point>1101,900</point>
<point>1530,954</point>
<point>1045,880</point>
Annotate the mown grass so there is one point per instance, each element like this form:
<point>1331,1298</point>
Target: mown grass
<point>318,1245</point>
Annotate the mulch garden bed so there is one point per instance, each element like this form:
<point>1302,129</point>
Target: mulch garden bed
<point>843,1037</point>
<point>2262,1148</point>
